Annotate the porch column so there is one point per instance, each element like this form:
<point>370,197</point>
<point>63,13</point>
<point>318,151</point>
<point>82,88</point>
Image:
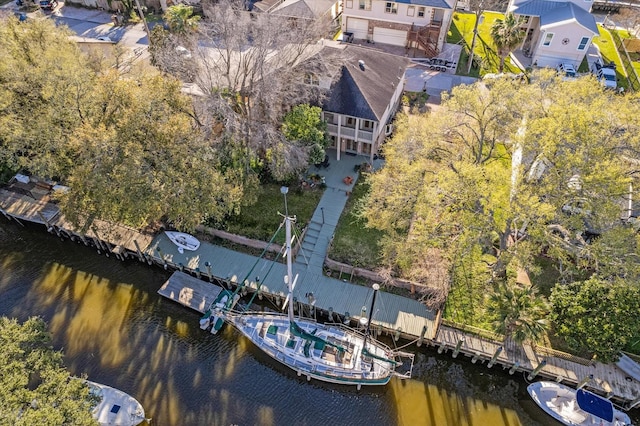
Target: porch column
<point>355,136</point>
<point>339,140</point>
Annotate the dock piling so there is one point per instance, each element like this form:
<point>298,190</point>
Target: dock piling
<point>208,265</point>
<point>514,368</point>
<point>421,339</point>
<point>495,357</point>
<point>584,381</point>
<point>396,336</point>
<point>441,347</point>
<point>458,346</point>
<point>536,370</point>
<point>475,358</point>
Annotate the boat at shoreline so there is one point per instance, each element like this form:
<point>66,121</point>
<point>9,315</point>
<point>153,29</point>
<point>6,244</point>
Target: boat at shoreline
<point>576,407</point>
<point>214,316</point>
<point>115,407</point>
<point>183,240</point>
<point>331,353</point>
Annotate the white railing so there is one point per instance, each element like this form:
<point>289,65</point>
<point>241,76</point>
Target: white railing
<point>364,135</point>
<point>332,128</point>
<point>348,132</point>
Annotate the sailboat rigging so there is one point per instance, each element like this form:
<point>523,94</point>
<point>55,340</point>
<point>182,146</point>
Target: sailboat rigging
<point>331,353</point>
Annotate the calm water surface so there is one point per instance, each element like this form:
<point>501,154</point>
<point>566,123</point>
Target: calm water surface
<point>113,326</point>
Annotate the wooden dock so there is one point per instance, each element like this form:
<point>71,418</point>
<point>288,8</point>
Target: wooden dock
<point>190,292</point>
<point>605,379</point>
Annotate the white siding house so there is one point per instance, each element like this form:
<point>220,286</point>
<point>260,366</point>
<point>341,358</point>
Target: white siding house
<point>420,24</point>
<point>363,100</point>
<point>557,31</point>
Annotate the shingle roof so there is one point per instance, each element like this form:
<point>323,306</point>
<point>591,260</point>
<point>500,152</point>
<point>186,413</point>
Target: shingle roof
<point>304,8</point>
<point>552,13</point>
<point>431,3</point>
<point>365,91</point>
<point>569,12</point>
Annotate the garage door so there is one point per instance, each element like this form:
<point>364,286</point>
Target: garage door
<point>387,36</point>
<point>358,27</point>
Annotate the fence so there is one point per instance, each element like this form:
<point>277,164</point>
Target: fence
<point>632,77</point>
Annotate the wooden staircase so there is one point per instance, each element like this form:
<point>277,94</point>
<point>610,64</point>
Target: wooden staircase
<point>426,37</point>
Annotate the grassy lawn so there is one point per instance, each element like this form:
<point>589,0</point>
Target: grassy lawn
<point>462,29</point>
<point>261,220</point>
<point>609,53</point>
<point>353,243</point>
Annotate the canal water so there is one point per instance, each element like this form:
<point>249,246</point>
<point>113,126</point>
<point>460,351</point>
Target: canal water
<point>113,326</point>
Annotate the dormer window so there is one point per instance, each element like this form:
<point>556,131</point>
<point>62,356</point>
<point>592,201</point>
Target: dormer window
<point>311,79</point>
<point>391,7</point>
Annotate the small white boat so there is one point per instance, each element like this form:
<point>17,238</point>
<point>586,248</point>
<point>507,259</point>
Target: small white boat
<point>115,407</point>
<point>215,315</point>
<point>576,407</point>
<point>183,241</point>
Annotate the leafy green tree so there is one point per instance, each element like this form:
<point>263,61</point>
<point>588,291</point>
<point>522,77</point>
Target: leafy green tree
<point>35,387</point>
<point>507,35</point>
<point>45,87</point>
<point>595,316</point>
<point>518,312</point>
<point>181,20</point>
<point>304,124</point>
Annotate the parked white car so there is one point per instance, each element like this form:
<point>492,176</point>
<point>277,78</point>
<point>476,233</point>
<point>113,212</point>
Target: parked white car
<point>606,74</point>
<point>567,71</point>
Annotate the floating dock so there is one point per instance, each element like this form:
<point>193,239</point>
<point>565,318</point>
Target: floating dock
<point>191,292</point>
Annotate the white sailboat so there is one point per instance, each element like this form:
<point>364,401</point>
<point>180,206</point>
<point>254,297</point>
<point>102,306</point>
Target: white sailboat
<point>115,407</point>
<point>183,240</point>
<point>576,407</point>
<point>328,352</point>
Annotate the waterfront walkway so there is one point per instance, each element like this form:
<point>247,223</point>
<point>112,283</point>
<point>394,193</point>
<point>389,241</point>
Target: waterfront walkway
<point>393,313</point>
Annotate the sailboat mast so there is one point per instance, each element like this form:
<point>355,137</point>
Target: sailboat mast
<point>289,280</point>
<point>376,287</point>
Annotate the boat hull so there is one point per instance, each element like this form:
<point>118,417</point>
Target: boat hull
<point>183,241</point>
<point>115,407</point>
<point>560,402</point>
<point>272,334</point>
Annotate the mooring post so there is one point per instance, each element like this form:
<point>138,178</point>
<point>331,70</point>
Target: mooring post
<point>495,357</point>
<point>208,265</point>
<point>475,358</point>
<point>536,370</point>
<point>396,337</point>
<point>330,313</point>
<point>198,275</point>
<point>584,381</point>
<point>458,346</point>
<point>441,347</point>
<point>514,368</point>
<point>180,267</point>
<point>347,318</point>
<point>421,339</point>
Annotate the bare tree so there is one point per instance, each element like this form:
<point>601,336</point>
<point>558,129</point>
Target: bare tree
<point>251,69</point>
<point>478,7</point>
<point>629,18</point>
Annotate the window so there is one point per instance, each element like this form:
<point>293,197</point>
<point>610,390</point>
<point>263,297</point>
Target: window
<point>391,7</point>
<point>584,41</point>
<point>365,5</point>
<point>328,117</point>
<point>351,122</point>
<point>349,4</point>
<point>366,148</point>
<point>311,79</point>
<point>421,11</point>
<point>547,39</point>
<point>411,10</point>
<point>367,125</point>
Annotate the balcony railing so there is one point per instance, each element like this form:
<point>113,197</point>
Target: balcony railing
<point>332,129</point>
<point>364,135</point>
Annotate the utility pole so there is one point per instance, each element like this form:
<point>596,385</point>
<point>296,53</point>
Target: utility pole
<point>144,21</point>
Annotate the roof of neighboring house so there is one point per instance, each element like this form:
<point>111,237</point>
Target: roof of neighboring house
<point>569,12</point>
<point>431,3</point>
<point>304,8</point>
<point>553,13</point>
<point>365,91</point>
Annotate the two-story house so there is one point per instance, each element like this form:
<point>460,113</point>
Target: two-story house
<point>363,100</point>
<point>419,24</point>
<point>556,31</point>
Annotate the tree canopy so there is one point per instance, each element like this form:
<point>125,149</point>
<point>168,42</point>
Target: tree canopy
<point>505,175</point>
<point>35,387</point>
<point>127,144</point>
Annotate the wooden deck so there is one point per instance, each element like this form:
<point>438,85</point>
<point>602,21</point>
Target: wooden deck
<point>28,205</point>
<point>607,379</point>
<point>393,313</point>
<point>189,291</point>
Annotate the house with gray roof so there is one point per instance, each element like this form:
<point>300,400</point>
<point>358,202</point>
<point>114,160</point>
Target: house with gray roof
<point>556,31</point>
<point>363,100</point>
